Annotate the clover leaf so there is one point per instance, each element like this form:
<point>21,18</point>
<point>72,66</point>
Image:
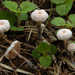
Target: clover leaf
<point>43,47</point>
<point>45,61</point>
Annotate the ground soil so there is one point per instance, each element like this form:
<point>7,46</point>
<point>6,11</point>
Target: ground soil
<point>29,39</point>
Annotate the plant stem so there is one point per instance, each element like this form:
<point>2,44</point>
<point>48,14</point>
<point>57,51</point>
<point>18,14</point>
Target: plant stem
<point>49,16</point>
<point>18,19</point>
<point>14,67</point>
<point>39,30</point>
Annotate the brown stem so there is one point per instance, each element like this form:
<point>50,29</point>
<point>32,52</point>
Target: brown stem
<point>39,30</point>
<point>25,59</point>
<point>14,67</point>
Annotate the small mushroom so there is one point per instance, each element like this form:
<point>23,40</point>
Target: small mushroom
<point>4,26</point>
<point>14,50</point>
<point>64,34</point>
<point>39,15</point>
<point>71,48</point>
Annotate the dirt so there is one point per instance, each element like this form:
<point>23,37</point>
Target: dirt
<point>61,64</point>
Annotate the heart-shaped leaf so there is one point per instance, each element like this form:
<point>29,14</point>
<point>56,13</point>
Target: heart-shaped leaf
<point>23,16</point>
<point>35,53</point>
<point>43,47</point>
<point>45,61</point>
<point>63,9</point>
<point>53,49</point>
<point>72,18</point>
<point>8,16</point>
<point>58,21</point>
<point>10,5</point>
<point>27,6</point>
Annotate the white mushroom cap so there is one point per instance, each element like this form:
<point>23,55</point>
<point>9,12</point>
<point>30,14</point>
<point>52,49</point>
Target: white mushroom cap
<point>39,15</point>
<point>42,25</point>
<point>10,52</point>
<point>4,26</point>
<point>71,47</point>
<point>64,34</point>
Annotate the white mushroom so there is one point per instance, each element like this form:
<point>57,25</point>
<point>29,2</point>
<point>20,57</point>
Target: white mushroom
<point>64,34</point>
<point>39,15</point>
<point>71,48</point>
<point>4,26</point>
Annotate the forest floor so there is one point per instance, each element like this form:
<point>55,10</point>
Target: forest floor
<point>61,64</point>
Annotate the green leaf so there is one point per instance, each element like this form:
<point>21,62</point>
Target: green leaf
<point>10,5</point>
<point>58,1</point>
<point>14,28</point>
<point>45,61</point>
<point>63,9</point>
<point>71,42</point>
<point>8,16</point>
<point>72,18</point>
<point>53,49</point>
<point>56,32</point>
<point>43,47</point>
<point>58,21</point>
<point>27,6</point>
<point>35,53</point>
<point>69,25</point>
<point>20,28</point>
<point>23,16</point>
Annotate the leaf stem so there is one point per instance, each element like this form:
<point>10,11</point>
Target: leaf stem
<point>49,16</point>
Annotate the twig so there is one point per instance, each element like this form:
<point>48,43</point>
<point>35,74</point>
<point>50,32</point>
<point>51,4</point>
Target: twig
<point>18,70</point>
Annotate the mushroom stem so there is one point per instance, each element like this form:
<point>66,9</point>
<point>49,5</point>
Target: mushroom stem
<point>2,34</point>
<point>65,43</point>
<point>39,30</point>
<point>72,59</point>
<point>25,59</point>
<point>13,66</point>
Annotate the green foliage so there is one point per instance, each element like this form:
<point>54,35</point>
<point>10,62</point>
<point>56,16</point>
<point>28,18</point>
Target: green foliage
<point>8,16</point>
<point>14,28</point>
<point>45,60</point>
<point>43,47</point>
<point>35,53</point>
<point>42,51</point>
<point>53,49</point>
<point>20,10</point>
<point>58,21</point>
<point>63,6</point>
<point>72,18</point>
<point>58,1</point>
<point>12,6</point>
<point>23,16</point>
<point>27,6</point>
<point>24,7</point>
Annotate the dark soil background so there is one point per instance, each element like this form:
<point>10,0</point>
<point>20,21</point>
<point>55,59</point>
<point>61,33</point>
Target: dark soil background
<point>29,39</point>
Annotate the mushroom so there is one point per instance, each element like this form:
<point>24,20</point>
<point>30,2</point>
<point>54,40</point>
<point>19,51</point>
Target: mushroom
<point>4,26</point>
<point>14,50</point>
<point>71,48</point>
<point>39,15</point>
<point>64,34</point>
